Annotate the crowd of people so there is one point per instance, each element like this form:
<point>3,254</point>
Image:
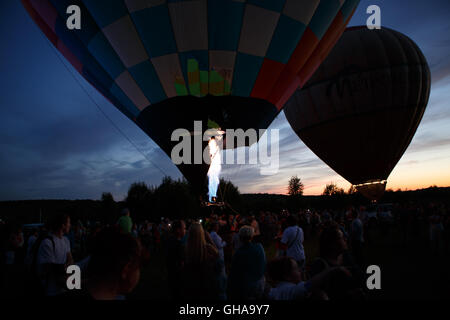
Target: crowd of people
<point>219,257</point>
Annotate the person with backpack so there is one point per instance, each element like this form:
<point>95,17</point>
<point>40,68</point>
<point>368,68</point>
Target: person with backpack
<point>292,241</point>
<point>51,257</point>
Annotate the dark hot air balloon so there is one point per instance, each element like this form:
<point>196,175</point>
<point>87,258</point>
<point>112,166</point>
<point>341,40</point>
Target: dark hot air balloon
<point>164,64</point>
<point>361,108</point>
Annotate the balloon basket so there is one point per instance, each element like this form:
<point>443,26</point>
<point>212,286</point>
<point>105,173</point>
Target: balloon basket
<point>213,204</point>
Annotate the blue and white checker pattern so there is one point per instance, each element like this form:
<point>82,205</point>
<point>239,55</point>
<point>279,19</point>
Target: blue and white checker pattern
<point>133,50</point>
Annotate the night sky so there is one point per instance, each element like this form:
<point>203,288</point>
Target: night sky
<point>56,144</point>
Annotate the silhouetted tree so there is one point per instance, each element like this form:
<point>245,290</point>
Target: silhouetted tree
<point>139,200</point>
<point>229,193</point>
<point>352,190</point>
<point>295,191</point>
<point>296,186</point>
<point>107,197</point>
<point>109,210</point>
<point>332,190</point>
<point>175,199</point>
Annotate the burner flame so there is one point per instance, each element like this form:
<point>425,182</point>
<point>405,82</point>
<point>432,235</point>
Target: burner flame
<point>214,169</point>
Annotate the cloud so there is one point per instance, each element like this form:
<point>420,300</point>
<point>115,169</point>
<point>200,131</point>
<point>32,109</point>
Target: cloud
<point>440,70</point>
<point>426,144</point>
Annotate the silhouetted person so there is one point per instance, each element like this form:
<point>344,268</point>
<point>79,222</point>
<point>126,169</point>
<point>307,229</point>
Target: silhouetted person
<point>292,241</point>
<point>175,257</point>
<point>202,275</point>
<point>246,280</point>
<point>357,238</point>
<point>334,253</point>
<point>125,223</point>
<point>113,269</point>
<point>288,279</point>
<point>54,256</point>
<point>218,242</point>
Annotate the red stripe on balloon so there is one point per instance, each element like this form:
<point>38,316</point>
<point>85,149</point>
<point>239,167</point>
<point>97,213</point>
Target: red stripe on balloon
<point>267,78</point>
<point>46,11</point>
<point>74,61</point>
<point>303,50</point>
<point>49,33</point>
<point>300,56</point>
<point>324,48</point>
<point>288,93</point>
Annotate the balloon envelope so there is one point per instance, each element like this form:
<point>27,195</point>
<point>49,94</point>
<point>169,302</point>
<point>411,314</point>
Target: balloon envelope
<point>165,64</point>
<point>361,108</point>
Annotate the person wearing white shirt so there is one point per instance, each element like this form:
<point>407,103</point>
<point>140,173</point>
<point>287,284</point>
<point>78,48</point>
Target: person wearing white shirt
<point>54,256</point>
<point>357,238</point>
<point>32,239</point>
<point>255,225</point>
<point>286,273</point>
<point>292,241</point>
<point>357,229</point>
<point>220,244</point>
<point>236,242</point>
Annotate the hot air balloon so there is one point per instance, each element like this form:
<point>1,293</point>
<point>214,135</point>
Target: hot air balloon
<point>361,108</point>
<point>164,64</point>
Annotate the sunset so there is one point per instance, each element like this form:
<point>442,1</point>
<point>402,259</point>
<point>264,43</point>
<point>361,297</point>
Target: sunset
<point>99,158</point>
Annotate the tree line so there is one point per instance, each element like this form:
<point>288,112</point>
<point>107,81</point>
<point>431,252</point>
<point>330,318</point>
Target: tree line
<point>175,199</point>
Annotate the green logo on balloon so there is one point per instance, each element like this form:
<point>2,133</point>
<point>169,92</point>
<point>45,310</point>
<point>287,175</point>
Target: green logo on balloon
<point>202,82</point>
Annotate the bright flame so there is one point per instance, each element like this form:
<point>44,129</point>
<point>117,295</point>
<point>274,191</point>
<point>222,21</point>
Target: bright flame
<point>214,169</point>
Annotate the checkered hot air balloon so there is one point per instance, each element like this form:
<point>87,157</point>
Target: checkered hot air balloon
<point>166,63</point>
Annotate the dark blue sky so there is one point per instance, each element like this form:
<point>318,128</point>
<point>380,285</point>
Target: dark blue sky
<point>55,143</point>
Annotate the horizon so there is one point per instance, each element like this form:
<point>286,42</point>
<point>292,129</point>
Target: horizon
<point>257,193</point>
<point>57,145</point>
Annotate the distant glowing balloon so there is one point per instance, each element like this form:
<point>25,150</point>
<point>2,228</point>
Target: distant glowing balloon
<point>165,64</point>
<point>361,108</point>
